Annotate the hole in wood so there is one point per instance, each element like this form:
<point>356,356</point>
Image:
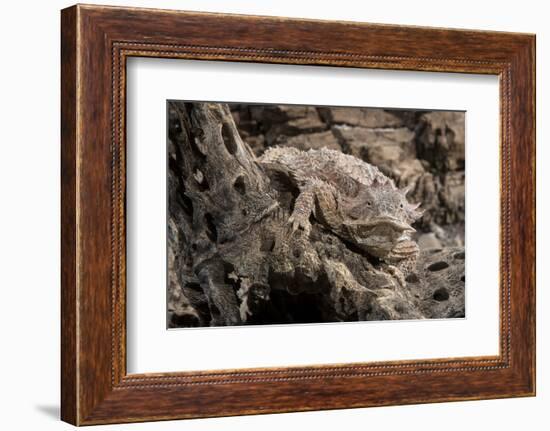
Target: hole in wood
<point>211,230</point>
<point>441,294</point>
<point>239,185</point>
<point>438,266</point>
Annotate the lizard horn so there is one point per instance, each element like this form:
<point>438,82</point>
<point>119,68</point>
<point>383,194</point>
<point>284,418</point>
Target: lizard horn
<point>414,212</point>
<point>405,190</point>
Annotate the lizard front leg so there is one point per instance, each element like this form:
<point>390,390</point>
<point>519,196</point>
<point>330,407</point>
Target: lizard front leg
<point>315,197</point>
<point>303,207</point>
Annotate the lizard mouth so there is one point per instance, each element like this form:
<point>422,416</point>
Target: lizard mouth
<point>381,224</point>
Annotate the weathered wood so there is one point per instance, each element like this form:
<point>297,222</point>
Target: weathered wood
<point>236,259</point>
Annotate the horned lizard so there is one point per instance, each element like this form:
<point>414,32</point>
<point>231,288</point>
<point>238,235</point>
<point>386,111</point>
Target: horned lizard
<point>351,198</point>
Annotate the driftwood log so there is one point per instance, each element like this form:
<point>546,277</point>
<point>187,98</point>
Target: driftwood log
<point>233,260</point>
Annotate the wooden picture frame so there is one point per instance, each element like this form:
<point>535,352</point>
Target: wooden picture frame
<point>96,41</point>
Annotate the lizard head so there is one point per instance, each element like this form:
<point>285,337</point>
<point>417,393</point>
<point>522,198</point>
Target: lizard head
<point>379,217</point>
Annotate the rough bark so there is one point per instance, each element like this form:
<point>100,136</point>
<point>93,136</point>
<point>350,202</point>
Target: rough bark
<point>232,258</point>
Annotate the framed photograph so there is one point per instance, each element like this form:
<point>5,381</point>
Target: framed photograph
<point>263,215</point>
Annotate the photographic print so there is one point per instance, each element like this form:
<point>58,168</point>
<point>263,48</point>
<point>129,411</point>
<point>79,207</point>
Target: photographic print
<point>289,214</point>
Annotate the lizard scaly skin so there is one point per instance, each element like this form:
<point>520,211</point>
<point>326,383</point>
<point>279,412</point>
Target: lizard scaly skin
<point>352,198</point>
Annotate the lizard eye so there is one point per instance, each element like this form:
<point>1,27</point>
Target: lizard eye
<point>401,206</point>
<point>369,203</point>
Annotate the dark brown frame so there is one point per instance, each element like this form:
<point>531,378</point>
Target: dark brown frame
<point>95,43</point>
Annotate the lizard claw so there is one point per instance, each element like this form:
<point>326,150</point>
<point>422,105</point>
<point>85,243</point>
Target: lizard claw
<point>398,274</point>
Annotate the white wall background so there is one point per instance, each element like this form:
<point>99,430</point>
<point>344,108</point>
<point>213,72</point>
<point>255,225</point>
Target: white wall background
<point>29,214</point>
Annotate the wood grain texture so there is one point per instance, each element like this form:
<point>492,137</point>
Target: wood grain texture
<point>96,41</point>
<point>69,397</point>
